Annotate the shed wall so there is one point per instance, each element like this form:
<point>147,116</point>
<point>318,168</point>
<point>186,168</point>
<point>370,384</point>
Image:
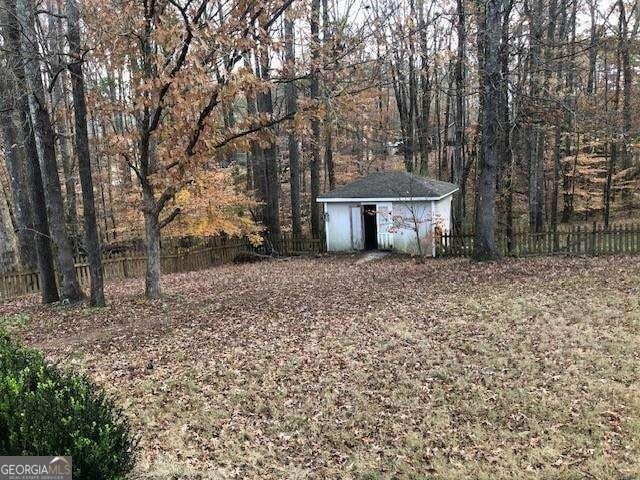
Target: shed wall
<point>443,212</point>
<point>407,216</point>
<point>396,225</point>
<point>338,226</point>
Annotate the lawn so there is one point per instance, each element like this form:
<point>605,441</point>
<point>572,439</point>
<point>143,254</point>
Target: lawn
<point>392,369</point>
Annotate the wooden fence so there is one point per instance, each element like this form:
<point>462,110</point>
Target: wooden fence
<point>289,245</point>
<point>577,240</point>
<point>133,264</point>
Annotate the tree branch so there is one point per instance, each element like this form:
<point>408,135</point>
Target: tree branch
<point>213,101</point>
<point>182,56</point>
<point>164,198</point>
<point>172,216</point>
<point>233,59</point>
<point>134,168</point>
<point>257,128</point>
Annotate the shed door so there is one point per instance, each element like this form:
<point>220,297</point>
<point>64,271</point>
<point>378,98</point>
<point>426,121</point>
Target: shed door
<point>385,237</point>
<point>357,242</point>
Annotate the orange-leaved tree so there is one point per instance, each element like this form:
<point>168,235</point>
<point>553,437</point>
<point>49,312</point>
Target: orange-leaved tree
<point>179,59</point>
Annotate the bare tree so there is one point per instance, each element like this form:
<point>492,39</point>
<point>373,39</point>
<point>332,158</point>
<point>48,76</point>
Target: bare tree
<point>91,236</point>
<point>315,122</point>
<point>12,35</point>
<point>329,57</point>
<point>271,215</point>
<point>45,141</point>
<point>459,119</point>
<point>14,157</point>
<point>484,247</point>
<point>292,106</point>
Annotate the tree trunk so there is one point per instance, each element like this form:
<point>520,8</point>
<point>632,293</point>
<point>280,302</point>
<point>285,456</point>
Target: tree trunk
<point>607,186</point>
<point>328,151</point>
<point>109,182</point>
<point>591,82</point>
<point>328,117</point>
<point>15,163</point>
<point>458,159</point>
<point>438,112</point>
<point>272,181</point>
<point>255,105</point>
<point>412,105</point>
<point>152,246</point>
<point>550,53</point>
<point>316,227</point>
<point>118,124</point>
<point>8,256</point>
<point>447,118</point>
<point>615,147</point>
<point>255,165</point>
<point>536,139</point>
<point>59,95</point>
<point>556,178</point>
<point>292,106</point>
<point>424,139</point>
<point>479,140</point>
<point>92,241</point>
<point>12,34</point>
<point>484,244</point>
<point>626,85</point>
<point>505,179</point>
<point>102,213</point>
<point>48,287</point>
<point>568,181</point>
<point>404,110</point>
<point>45,141</point>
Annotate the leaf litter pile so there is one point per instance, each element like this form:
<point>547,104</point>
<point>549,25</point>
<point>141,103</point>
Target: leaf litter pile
<point>328,368</point>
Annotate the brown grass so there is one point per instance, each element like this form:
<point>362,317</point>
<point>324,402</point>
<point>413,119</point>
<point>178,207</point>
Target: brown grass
<point>320,368</point>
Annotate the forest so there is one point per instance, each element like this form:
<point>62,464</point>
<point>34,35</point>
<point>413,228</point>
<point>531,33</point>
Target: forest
<point>147,119</point>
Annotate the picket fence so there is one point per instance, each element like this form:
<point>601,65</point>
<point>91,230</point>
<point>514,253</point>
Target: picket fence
<point>133,264</point>
<point>575,240</point>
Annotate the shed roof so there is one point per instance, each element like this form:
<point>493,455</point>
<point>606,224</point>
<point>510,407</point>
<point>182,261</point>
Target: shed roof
<point>398,185</point>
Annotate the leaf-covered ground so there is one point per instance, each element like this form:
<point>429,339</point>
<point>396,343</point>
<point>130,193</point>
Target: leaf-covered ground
<point>327,369</point>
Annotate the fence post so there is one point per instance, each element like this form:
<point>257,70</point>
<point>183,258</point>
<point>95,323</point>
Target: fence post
<point>626,238</point>
<point>579,240</point>
<point>125,272</point>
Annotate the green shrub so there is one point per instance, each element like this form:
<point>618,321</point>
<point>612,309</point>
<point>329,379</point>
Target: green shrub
<point>44,411</point>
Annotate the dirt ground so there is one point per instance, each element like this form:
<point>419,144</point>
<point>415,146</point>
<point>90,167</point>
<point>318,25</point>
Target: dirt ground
<point>389,369</point>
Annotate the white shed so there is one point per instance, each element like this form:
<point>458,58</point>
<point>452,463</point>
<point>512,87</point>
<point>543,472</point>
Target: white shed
<point>387,211</point>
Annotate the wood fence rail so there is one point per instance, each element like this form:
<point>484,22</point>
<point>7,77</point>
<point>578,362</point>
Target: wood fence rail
<point>578,240</point>
<point>133,264</point>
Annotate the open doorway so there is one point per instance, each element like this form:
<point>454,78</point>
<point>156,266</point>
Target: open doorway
<point>370,227</point>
